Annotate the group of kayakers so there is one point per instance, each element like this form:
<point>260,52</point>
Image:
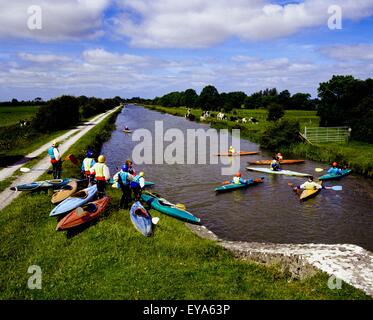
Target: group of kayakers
<point>98,173</point>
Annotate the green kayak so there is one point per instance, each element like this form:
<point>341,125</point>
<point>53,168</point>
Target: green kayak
<point>235,186</point>
<point>164,206</point>
<point>335,176</point>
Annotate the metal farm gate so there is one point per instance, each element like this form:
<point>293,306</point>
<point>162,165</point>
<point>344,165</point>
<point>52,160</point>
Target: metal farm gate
<point>327,134</point>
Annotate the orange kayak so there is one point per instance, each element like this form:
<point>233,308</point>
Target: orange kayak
<point>264,162</point>
<point>83,214</point>
<point>242,153</point>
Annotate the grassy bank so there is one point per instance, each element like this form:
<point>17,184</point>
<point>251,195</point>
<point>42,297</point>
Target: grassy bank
<point>12,115</point>
<point>111,260</point>
<point>357,155</point>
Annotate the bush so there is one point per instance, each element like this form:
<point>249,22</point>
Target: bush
<point>280,134</point>
<point>275,112</point>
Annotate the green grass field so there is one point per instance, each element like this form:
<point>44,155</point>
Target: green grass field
<point>12,115</point>
<point>111,260</point>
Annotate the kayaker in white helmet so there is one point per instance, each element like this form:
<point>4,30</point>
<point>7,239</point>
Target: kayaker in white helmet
<point>102,173</point>
<point>55,159</point>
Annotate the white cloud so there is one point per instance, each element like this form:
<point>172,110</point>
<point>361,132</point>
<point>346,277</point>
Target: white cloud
<point>61,20</point>
<point>43,58</point>
<point>359,52</point>
<point>200,23</point>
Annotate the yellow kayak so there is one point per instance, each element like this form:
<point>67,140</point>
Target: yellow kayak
<point>307,194</point>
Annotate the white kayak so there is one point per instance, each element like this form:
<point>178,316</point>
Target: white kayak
<point>283,172</point>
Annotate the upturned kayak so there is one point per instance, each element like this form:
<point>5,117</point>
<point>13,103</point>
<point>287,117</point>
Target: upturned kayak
<point>42,185</point>
<point>242,153</point>
<point>62,194</point>
<point>235,186</point>
<point>168,208</point>
<point>335,176</point>
<point>308,194</point>
<point>281,172</point>
<point>76,200</point>
<point>83,214</point>
<point>141,219</point>
<point>265,162</point>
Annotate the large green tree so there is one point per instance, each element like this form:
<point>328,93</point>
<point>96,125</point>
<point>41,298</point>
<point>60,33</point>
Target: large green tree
<point>209,99</point>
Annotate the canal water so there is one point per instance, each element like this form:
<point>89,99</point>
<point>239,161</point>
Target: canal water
<point>268,212</point>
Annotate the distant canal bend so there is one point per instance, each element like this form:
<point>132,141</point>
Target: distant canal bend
<point>269,212</point>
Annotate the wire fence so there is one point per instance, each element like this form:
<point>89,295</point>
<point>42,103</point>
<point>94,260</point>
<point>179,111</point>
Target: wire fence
<point>327,134</point>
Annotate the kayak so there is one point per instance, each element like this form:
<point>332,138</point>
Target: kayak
<point>84,214</point>
<point>141,219</point>
<point>127,131</point>
<point>242,153</point>
<point>115,185</point>
<point>264,162</point>
<point>75,200</point>
<point>62,194</point>
<point>307,194</point>
<point>235,186</point>
<point>168,208</point>
<point>42,185</point>
<point>335,176</point>
<point>282,172</point>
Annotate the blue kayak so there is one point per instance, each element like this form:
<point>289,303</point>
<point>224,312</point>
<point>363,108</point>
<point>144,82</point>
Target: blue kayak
<point>235,186</point>
<point>335,176</point>
<point>42,185</point>
<point>74,201</point>
<point>141,219</point>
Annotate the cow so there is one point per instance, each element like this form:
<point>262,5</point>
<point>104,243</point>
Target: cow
<point>253,120</point>
<point>221,116</point>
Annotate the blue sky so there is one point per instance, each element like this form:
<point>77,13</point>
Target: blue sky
<point>149,48</point>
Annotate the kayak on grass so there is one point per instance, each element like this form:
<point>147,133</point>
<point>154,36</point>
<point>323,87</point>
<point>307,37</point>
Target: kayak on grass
<point>141,219</point>
<point>335,176</point>
<point>308,194</point>
<point>75,200</point>
<point>42,185</point>
<point>281,172</point>
<point>242,153</point>
<point>168,208</point>
<point>83,214</point>
<point>265,162</point>
<point>235,186</point>
<point>62,194</point>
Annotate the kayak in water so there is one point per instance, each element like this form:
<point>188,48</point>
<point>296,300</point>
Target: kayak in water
<point>168,208</point>
<point>330,176</point>
<point>42,185</point>
<point>235,186</point>
<point>308,194</point>
<point>83,214</point>
<point>242,153</point>
<point>265,162</point>
<point>141,219</point>
<point>280,172</point>
<point>127,131</point>
<point>78,199</point>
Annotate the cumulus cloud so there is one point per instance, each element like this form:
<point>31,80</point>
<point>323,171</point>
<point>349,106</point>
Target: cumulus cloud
<point>61,20</point>
<point>199,23</point>
<point>43,58</point>
<point>359,52</point>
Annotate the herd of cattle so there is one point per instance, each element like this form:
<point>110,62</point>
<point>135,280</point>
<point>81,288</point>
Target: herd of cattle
<point>220,116</point>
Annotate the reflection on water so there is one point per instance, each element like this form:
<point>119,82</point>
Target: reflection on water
<point>269,212</point>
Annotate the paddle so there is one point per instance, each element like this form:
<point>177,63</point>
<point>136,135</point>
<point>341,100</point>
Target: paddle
<point>319,169</point>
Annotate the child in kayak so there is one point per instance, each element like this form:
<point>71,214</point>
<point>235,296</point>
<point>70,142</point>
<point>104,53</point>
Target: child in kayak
<point>275,165</point>
<point>231,150</point>
<point>334,169</point>
<point>309,185</point>
<point>237,179</point>
<point>279,157</point>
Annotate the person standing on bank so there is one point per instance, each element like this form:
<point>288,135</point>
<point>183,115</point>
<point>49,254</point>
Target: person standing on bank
<point>102,173</point>
<point>56,161</point>
<point>124,180</point>
<point>87,164</point>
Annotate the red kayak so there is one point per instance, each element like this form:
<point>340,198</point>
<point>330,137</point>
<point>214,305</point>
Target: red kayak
<point>83,214</point>
<point>264,162</point>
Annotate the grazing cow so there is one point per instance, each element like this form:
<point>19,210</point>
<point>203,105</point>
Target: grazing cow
<point>188,113</point>
<point>244,120</point>
<point>221,116</point>
<point>253,120</point>
<point>205,115</point>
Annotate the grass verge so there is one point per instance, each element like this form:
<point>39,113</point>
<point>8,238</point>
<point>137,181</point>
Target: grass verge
<point>109,259</point>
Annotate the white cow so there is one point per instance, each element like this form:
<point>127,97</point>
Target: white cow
<point>244,120</point>
<point>221,116</point>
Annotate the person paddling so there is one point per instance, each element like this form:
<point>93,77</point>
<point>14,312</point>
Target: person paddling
<point>275,165</point>
<point>309,185</point>
<point>124,180</point>
<point>102,173</point>
<point>231,150</point>
<point>279,157</point>
<point>55,158</point>
<point>334,169</point>
<point>137,185</point>
<point>237,179</point>
<point>87,164</point>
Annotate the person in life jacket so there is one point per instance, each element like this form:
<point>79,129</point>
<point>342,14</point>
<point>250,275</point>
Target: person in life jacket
<point>102,173</point>
<point>124,180</point>
<point>275,165</point>
<point>87,164</point>
<point>237,179</point>
<point>231,150</point>
<point>334,169</point>
<point>56,161</point>
<point>309,185</point>
<point>137,185</point>
<point>131,170</point>
<point>279,157</point>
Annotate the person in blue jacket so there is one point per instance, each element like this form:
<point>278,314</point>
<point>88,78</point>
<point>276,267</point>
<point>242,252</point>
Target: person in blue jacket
<point>87,164</point>
<point>237,179</point>
<point>334,169</point>
<point>137,185</point>
<point>55,159</point>
<point>124,180</point>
